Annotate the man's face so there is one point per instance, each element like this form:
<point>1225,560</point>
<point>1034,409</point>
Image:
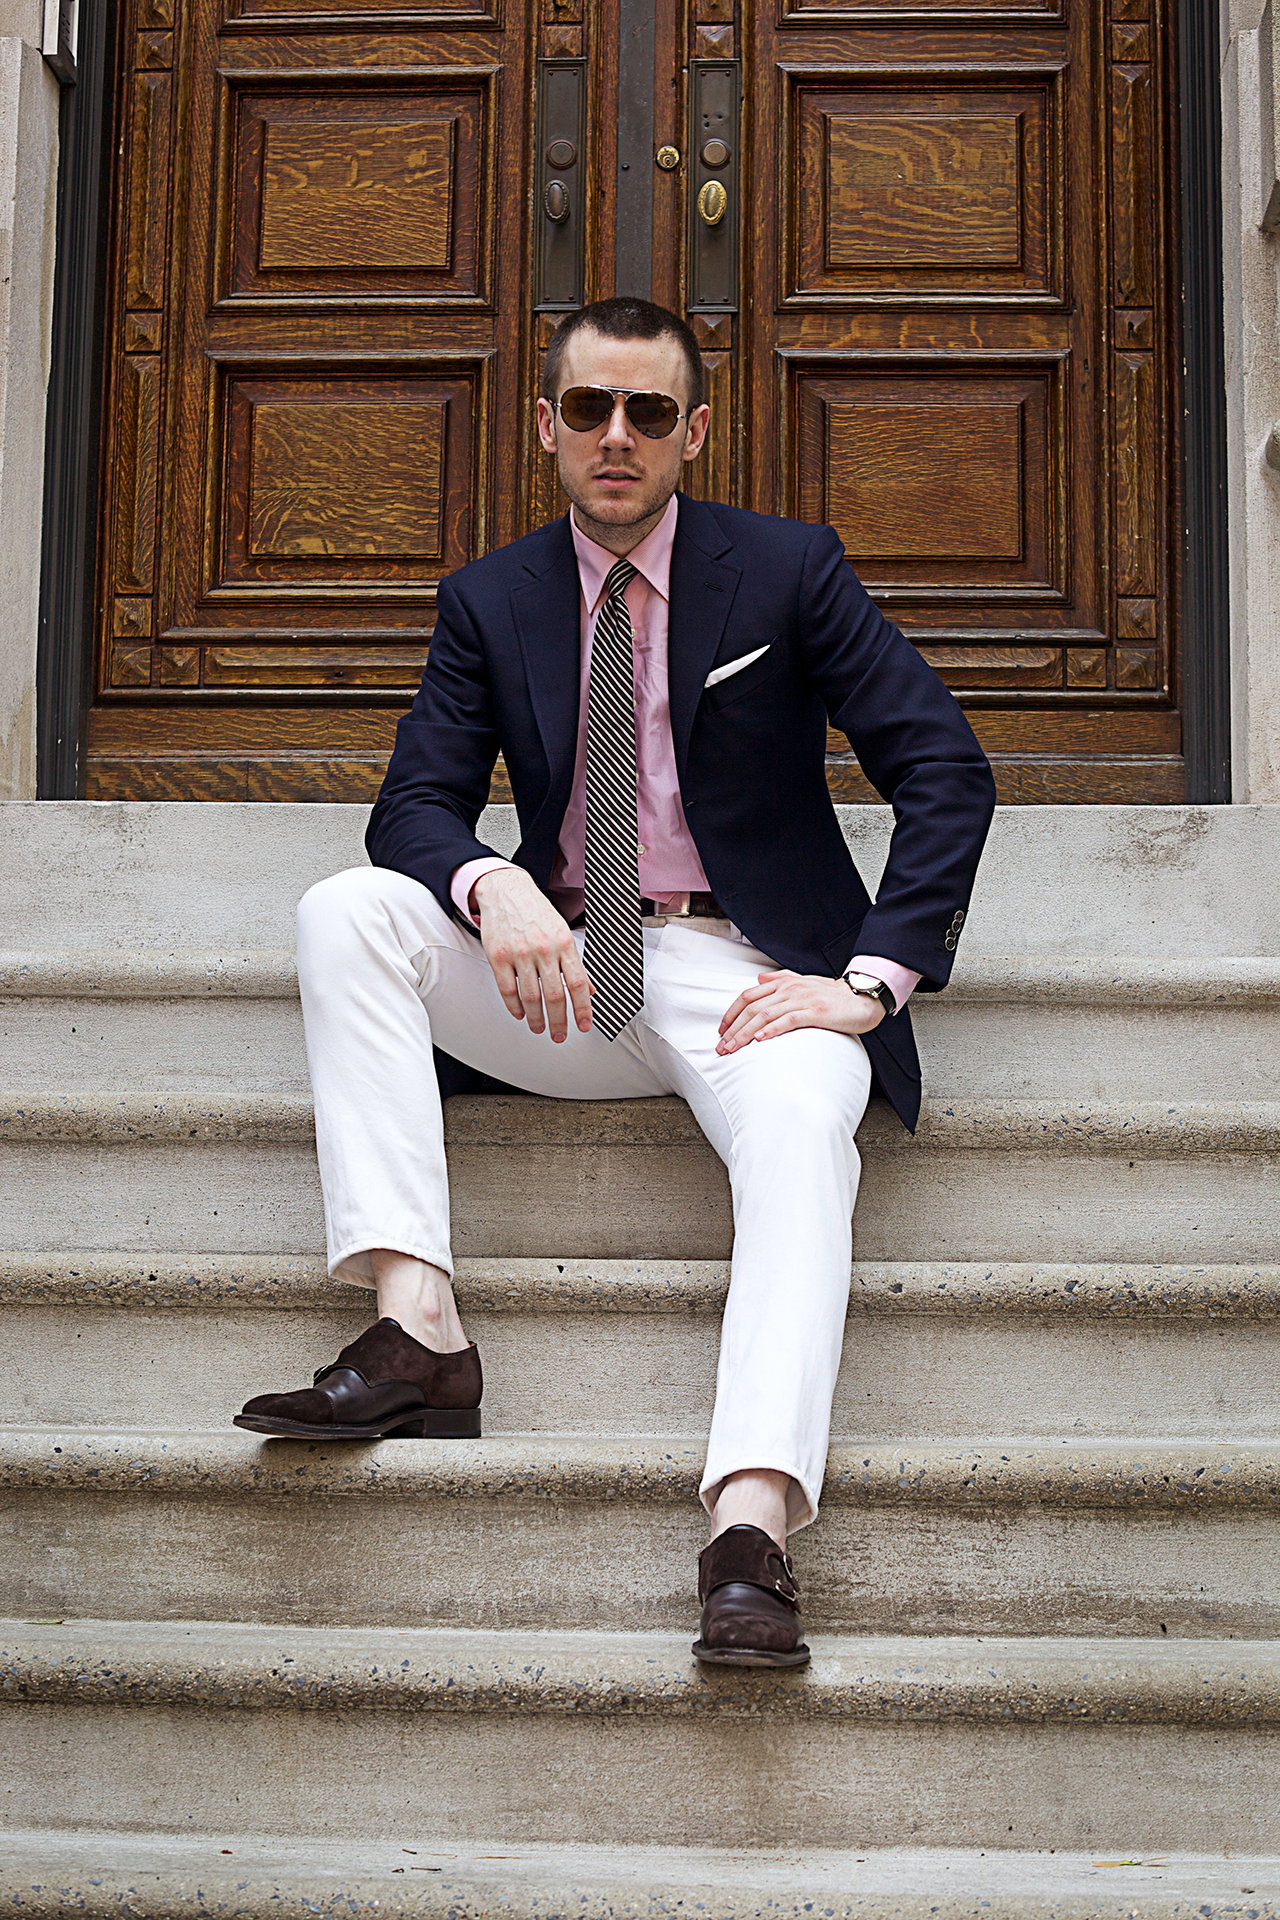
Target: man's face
<point>614,476</point>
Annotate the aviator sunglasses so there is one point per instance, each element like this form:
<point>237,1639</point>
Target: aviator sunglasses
<point>652,414</point>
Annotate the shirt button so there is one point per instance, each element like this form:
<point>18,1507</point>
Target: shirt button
<point>640,849</point>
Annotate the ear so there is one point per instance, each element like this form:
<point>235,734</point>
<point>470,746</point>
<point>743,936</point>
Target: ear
<point>696,433</point>
<point>546,426</point>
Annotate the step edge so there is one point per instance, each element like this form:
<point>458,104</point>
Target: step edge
<point>1151,1476</point>
<point>270,973</point>
<point>1154,1128</point>
<point>578,1284</point>
<point>638,1675</point>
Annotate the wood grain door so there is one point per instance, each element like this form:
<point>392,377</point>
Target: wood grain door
<point>956,341</point>
<point>319,375</point>
<point>951,332</point>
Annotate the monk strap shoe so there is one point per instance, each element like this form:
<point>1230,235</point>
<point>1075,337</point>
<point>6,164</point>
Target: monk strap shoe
<point>384,1385</point>
<point>750,1603</point>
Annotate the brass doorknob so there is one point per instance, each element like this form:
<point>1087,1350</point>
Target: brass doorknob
<point>556,201</point>
<point>713,202</point>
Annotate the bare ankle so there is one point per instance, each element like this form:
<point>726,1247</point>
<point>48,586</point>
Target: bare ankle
<point>757,1497</point>
<point>419,1297</point>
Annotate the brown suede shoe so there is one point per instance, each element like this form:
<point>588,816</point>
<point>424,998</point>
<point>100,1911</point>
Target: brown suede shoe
<point>750,1610</point>
<point>384,1384</point>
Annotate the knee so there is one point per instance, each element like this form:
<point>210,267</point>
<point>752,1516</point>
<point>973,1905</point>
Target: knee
<point>332,905</point>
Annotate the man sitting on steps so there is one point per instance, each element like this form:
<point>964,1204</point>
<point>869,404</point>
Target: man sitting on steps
<point>682,916</point>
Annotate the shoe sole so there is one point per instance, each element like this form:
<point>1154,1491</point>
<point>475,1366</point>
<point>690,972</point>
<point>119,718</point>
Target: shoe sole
<point>430,1423</point>
<point>749,1656</point>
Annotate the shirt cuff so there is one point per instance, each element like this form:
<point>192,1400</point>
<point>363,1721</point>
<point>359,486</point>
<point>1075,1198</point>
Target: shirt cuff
<point>465,877</point>
<point>900,981</point>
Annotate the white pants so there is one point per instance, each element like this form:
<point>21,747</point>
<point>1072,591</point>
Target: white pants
<point>384,972</point>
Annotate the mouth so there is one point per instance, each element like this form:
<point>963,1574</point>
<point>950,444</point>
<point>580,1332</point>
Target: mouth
<point>617,480</point>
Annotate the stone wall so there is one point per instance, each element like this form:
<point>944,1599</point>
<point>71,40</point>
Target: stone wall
<point>28,194</point>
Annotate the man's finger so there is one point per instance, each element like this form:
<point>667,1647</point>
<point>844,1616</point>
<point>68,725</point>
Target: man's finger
<point>784,1023</point>
<point>745,999</point>
<point>553,997</point>
<point>749,1022</point>
<point>530,992</point>
<point>575,979</point>
<point>508,986</point>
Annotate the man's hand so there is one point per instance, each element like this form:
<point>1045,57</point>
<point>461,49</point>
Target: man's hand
<point>534,957</point>
<point>784,1001</point>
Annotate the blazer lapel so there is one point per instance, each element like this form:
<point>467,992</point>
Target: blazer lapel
<point>545,609</point>
<point>702,590</point>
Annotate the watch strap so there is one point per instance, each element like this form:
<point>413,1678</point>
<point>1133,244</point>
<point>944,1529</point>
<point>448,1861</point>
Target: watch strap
<point>879,992</point>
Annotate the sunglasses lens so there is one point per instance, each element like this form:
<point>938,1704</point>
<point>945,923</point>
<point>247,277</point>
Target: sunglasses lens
<point>582,408</point>
<point>652,414</point>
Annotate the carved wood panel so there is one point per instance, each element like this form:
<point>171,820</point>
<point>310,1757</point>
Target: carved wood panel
<point>962,351</point>
<point>317,364</point>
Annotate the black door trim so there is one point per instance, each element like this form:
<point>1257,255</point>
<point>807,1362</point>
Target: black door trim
<point>1206,605</point>
<point>73,418</point>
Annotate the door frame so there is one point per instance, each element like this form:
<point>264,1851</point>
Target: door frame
<point>1205,624</point>
<point>68,583</point>
<point>74,410</point>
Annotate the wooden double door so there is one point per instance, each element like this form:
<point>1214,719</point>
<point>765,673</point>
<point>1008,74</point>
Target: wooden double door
<point>929,249</point>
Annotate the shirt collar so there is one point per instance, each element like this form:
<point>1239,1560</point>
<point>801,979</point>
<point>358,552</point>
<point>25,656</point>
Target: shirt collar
<point>652,558</point>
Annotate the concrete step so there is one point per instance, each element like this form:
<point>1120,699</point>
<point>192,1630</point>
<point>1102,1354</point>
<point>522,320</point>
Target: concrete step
<point>1163,1181</point>
<point>376,1735</point>
<point>630,1346</point>
<point>533,1531</point>
<point>218,876</point>
<point>426,1871</point>
<point>1022,1026</point>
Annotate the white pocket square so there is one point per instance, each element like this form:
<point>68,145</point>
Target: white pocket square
<point>718,674</point>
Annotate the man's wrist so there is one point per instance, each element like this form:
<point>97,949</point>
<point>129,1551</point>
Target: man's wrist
<point>866,986</point>
<point>464,879</point>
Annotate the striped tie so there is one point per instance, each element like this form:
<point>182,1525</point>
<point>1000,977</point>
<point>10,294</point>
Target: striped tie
<point>615,941</point>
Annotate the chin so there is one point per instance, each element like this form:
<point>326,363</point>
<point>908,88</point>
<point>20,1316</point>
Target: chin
<point>620,509</point>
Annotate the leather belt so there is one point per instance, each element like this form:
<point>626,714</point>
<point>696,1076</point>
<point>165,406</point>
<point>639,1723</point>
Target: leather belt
<point>702,906</point>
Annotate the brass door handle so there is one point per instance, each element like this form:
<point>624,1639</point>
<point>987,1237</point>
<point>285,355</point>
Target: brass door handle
<point>712,203</point>
<point>556,201</point>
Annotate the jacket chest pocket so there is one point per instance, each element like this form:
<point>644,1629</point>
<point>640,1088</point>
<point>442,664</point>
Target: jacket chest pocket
<point>761,664</point>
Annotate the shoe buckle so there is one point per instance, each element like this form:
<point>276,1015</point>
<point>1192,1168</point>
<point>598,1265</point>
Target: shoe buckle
<point>790,1589</point>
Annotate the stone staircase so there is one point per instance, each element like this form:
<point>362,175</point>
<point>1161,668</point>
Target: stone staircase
<point>254,1678</point>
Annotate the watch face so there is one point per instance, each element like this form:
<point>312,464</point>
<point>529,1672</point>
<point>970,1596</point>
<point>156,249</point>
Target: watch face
<point>864,982</point>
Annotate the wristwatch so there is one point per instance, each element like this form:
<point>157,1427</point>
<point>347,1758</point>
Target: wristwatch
<point>870,988</point>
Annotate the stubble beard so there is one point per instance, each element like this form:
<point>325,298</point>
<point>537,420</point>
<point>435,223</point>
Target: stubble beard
<point>651,506</point>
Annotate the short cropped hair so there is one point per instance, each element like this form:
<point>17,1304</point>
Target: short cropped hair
<point>625,318</point>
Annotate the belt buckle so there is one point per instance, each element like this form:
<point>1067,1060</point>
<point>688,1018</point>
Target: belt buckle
<point>683,911</point>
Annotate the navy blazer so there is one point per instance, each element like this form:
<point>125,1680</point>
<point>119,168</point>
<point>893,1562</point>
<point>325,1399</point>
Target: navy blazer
<point>503,676</point>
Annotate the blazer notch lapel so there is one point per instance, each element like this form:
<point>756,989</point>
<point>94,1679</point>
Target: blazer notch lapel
<point>546,616</point>
<point>702,592</point>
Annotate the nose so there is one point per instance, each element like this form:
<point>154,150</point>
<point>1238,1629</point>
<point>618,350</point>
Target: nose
<point>618,432</point>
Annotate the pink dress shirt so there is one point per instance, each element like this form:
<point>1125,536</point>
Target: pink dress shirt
<point>668,860</point>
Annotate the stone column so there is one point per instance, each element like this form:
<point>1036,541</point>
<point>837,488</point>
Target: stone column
<point>1252,312</point>
<point>28,192</point>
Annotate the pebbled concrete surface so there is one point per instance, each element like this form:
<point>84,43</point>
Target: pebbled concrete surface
<point>102,1876</point>
<point>530,1123</point>
<point>287,1282</point>
<point>1165,1475</point>
<point>143,1664</point>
